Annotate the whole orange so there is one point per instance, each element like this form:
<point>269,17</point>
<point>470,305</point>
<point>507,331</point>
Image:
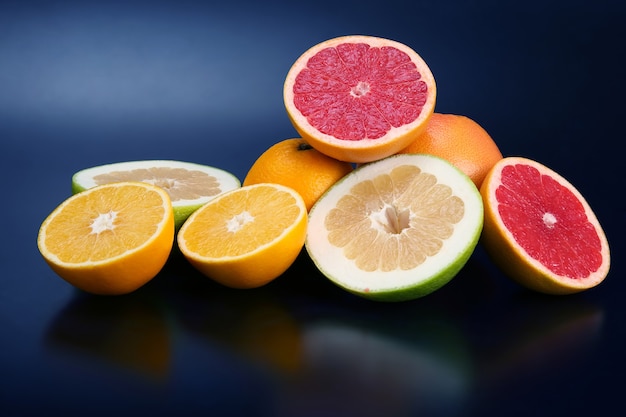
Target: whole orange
<point>296,164</point>
<point>461,141</point>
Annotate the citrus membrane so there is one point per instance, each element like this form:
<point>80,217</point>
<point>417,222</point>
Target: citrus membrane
<point>359,98</point>
<point>540,230</point>
<point>396,229</point>
<point>189,185</point>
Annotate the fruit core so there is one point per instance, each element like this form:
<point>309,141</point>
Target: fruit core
<point>395,220</point>
<point>391,219</point>
<point>355,91</point>
<point>180,183</point>
<point>548,221</point>
<point>104,222</point>
<point>359,90</point>
<point>236,222</point>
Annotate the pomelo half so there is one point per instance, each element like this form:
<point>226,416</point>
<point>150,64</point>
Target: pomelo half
<point>359,98</point>
<point>396,229</point>
<point>189,185</point>
<point>540,230</point>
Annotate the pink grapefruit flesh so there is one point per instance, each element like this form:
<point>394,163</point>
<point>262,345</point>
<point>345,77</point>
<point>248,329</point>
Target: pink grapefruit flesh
<point>541,230</point>
<point>354,91</point>
<point>359,98</point>
<point>555,218</point>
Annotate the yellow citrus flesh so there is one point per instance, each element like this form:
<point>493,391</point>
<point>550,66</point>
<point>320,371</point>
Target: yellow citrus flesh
<point>189,185</point>
<point>295,164</point>
<point>359,98</point>
<point>246,237</point>
<point>110,239</point>
<point>540,230</point>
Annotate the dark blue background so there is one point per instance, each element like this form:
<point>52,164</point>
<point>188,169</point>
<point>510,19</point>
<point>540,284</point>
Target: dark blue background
<point>85,83</point>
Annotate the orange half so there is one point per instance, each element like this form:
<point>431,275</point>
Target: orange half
<point>110,239</point>
<point>246,237</point>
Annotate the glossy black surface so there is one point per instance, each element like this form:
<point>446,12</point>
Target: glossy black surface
<point>83,84</point>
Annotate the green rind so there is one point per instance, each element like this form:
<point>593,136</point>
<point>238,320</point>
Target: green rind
<point>182,213</point>
<point>76,188</point>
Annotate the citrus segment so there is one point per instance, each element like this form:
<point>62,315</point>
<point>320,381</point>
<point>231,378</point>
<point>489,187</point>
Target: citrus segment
<point>189,185</point>
<point>359,98</point>
<point>295,164</point>
<point>540,230</point>
<point>396,229</point>
<point>246,237</point>
<point>459,140</point>
<point>110,239</point>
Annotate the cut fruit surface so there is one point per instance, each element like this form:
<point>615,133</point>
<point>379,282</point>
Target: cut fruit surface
<point>110,239</point>
<point>189,185</point>
<point>246,237</point>
<point>540,230</point>
<point>396,229</point>
<point>359,98</point>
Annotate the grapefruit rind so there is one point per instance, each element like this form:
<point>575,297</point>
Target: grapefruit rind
<point>224,180</point>
<point>510,256</point>
<point>461,141</point>
<point>397,285</point>
<point>364,150</point>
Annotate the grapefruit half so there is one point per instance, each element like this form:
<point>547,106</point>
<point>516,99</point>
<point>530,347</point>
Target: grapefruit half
<point>359,98</point>
<point>540,230</point>
<point>396,229</point>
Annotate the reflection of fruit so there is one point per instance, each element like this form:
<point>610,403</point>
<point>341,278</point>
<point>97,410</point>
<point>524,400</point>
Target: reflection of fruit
<point>270,335</point>
<point>546,337</point>
<point>397,228</point>
<point>350,369</point>
<point>461,141</point>
<point>189,185</point>
<point>255,326</point>
<point>246,237</point>
<point>131,333</point>
<point>359,98</point>
<point>540,230</point>
<point>110,239</point>
<point>294,163</point>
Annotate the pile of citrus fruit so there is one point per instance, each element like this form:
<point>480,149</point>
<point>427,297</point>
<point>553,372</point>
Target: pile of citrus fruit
<point>388,198</point>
